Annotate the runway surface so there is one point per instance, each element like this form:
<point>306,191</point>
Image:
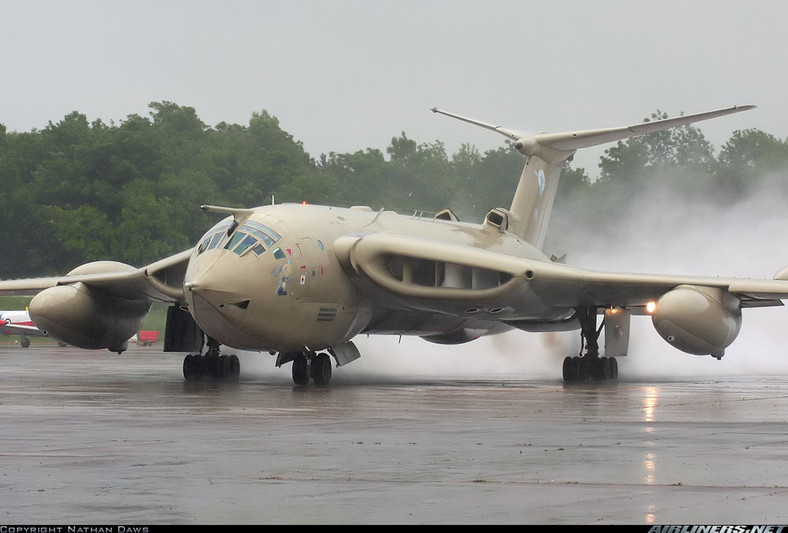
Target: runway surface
<point>99,438</point>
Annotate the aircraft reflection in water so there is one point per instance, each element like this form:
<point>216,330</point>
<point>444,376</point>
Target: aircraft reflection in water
<point>301,281</point>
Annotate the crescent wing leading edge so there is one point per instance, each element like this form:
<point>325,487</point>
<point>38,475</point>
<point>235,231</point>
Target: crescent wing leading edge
<point>162,280</point>
<point>395,265</point>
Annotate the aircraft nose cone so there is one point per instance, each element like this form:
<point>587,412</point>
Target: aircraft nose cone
<point>215,286</point>
<point>218,295</point>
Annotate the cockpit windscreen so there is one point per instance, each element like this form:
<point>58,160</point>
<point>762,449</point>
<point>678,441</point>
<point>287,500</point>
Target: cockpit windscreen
<point>250,236</point>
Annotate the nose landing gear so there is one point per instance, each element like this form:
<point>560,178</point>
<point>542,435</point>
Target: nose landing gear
<point>314,365</point>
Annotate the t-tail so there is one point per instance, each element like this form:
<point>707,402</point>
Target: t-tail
<point>533,200</point>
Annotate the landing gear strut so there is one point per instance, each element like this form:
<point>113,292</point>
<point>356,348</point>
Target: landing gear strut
<point>211,365</point>
<point>589,366</point>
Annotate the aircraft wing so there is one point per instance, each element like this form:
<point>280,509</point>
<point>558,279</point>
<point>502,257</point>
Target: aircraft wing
<point>419,273</point>
<point>162,280</point>
<point>573,287</point>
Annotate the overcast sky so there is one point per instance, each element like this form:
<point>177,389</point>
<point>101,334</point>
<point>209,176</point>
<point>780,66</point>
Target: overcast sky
<point>345,75</point>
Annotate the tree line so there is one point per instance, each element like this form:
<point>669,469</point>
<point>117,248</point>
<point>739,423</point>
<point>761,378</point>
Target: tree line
<point>79,191</point>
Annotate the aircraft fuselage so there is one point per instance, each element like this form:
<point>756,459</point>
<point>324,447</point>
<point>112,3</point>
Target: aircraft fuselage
<point>293,293</point>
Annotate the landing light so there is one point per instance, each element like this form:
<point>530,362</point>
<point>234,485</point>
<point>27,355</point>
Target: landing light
<point>651,307</point>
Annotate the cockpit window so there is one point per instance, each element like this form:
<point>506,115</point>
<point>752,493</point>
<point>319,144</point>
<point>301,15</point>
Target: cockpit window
<point>263,232</point>
<point>215,240</point>
<point>235,239</point>
<point>250,236</point>
<point>211,239</point>
<point>245,244</point>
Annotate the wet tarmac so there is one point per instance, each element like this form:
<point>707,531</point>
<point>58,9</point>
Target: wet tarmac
<point>100,438</point>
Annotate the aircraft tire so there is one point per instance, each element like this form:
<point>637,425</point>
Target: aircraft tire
<point>600,369</point>
<point>586,368</point>
<point>571,369</point>
<point>189,367</point>
<point>321,369</point>
<point>613,368</point>
<point>206,366</point>
<point>300,369</point>
<point>235,365</point>
<point>25,342</point>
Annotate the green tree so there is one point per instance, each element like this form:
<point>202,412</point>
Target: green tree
<point>485,182</point>
<point>417,176</point>
<point>148,226</point>
<point>78,191</point>
<point>747,160</point>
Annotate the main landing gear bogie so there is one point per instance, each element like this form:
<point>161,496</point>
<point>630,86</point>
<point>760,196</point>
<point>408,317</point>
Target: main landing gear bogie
<point>590,366</point>
<point>213,366</point>
<point>579,369</point>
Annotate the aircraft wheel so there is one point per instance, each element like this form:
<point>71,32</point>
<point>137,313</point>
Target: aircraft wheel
<point>216,366</point>
<point>225,367</point>
<point>600,369</point>
<point>235,365</point>
<point>189,367</point>
<point>613,368</point>
<point>187,371</point>
<point>586,368</point>
<point>321,369</point>
<point>300,369</point>
<point>25,342</point>
<point>571,369</point>
<point>200,366</point>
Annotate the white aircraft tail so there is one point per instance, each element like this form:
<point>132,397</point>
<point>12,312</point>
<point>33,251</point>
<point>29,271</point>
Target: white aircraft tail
<point>533,200</point>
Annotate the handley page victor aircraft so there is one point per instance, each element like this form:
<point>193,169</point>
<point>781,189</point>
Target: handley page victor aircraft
<point>301,281</point>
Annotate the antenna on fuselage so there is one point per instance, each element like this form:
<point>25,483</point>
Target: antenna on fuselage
<point>239,214</point>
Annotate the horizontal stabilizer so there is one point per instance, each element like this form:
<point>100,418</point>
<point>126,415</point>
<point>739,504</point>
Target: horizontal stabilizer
<point>535,194</point>
<point>557,147</point>
<point>585,138</point>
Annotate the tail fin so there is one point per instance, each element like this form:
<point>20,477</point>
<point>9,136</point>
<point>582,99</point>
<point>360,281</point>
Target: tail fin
<point>533,200</point>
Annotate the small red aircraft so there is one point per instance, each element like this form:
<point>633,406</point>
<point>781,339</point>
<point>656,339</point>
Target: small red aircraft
<point>19,323</point>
